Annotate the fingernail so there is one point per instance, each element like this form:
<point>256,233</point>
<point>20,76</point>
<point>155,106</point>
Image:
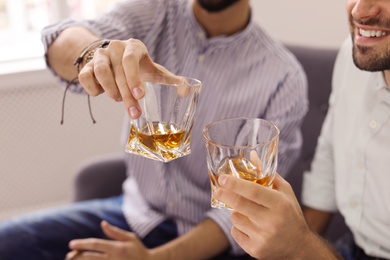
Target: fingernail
<point>133,111</point>
<point>106,224</point>
<point>137,92</point>
<point>119,99</point>
<point>222,180</point>
<point>72,254</point>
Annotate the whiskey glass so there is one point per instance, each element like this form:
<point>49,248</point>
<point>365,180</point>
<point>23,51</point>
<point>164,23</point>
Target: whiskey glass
<point>246,148</point>
<point>163,131</point>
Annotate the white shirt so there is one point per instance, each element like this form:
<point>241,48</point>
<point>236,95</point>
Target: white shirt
<point>351,168</point>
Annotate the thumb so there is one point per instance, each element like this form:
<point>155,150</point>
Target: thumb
<point>281,185</point>
<point>116,233</point>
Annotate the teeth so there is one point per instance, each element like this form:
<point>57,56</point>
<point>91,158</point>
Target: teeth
<point>371,33</point>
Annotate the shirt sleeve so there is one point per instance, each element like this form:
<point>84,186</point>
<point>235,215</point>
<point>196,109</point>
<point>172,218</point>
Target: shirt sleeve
<point>286,110</point>
<point>127,19</point>
<point>318,187</point>
<point>222,218</point>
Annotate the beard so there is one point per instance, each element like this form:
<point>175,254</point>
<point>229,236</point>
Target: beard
<point>368,58</point>
<point>371,58</point>
<point>214,6</point>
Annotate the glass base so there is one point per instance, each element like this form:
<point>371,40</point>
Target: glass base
<point>159,155</point>
<point>219,204</point>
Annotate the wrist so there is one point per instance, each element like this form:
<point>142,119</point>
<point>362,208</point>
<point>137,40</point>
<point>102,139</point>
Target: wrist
<point>160,253</point>
<point>314,246</point>
<point>88,52</point>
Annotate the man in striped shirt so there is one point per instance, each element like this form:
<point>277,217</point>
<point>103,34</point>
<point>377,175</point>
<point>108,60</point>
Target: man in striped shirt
<point>164,212</point>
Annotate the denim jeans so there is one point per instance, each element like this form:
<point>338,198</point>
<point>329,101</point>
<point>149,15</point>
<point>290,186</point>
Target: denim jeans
<point>46,234</point>
<point>349,250</point>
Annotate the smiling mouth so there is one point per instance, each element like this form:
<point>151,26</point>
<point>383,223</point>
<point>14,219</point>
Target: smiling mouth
<point>372,33</point>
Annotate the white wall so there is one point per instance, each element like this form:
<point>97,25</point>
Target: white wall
<point>308,22</point>
<point>38,155</point>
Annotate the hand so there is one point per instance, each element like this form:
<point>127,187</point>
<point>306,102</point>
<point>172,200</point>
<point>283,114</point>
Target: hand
<point>119,70</point>
<point>267,223</point>
<point>126,245</point>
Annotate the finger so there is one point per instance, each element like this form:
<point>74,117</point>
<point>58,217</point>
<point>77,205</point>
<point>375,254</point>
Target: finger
<point>72,255</point>
<point>104,74</point>
<point>120,80</point>
<point>183,87</point>
<point>241,238</point>
<point>253,246</point>
<point>251,191</point>
<point>165,76</point>
<point>88,81</point>
<point>116,50</point>
<point>86,256</point>
<point>133,55</point>
<point>281,185</point>
<point>124,89</point>
<point>116,233</point>
<point>91,244</point>
<point>240,204</point>
<point>245,224</point>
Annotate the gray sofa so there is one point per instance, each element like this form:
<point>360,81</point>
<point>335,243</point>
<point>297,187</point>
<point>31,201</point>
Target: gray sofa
<point>102,177</point>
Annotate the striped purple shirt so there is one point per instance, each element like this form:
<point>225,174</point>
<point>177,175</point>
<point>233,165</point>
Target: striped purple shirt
<point>247,74</point>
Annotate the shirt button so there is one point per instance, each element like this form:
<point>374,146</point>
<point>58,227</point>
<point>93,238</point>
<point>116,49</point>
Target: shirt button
<point>171,204</point>
<point>200,34</point>
<point>373,124</point>
<point>201,58</point>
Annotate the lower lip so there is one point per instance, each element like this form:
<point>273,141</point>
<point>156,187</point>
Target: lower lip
<point>367,40</point>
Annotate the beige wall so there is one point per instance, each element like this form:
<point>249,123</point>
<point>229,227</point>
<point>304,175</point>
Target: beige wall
<point>39,156</point>
<point>307,22</point>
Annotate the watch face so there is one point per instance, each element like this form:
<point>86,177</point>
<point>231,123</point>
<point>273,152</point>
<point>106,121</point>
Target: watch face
<point>216,5</point>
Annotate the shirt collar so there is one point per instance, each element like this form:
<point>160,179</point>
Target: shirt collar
<point>382,87</point>
<point>218,40</point>
<point>379,79</point>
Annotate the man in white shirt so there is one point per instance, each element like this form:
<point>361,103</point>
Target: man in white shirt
<point>350,172</point>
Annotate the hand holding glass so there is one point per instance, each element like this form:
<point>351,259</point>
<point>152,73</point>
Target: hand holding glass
<point>163,131</point>
<point>246,148</point>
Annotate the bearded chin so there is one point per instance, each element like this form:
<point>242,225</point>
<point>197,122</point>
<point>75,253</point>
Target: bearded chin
<point>371,59</point>
<point>217,5</point>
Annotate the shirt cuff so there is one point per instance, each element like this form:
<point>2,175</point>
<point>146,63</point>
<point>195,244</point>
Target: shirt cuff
<point>318,193</point>
<point>222,218</point>
<point>49,35</point>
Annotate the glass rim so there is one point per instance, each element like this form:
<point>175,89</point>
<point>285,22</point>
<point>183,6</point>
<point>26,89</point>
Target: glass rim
<point>209,140</point>
<point>187,82</point>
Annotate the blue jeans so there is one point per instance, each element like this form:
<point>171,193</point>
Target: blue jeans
<point>349,250</point>
<point>46,234</point>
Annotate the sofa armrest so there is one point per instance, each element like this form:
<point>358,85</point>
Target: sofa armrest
<point>100,177</point>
